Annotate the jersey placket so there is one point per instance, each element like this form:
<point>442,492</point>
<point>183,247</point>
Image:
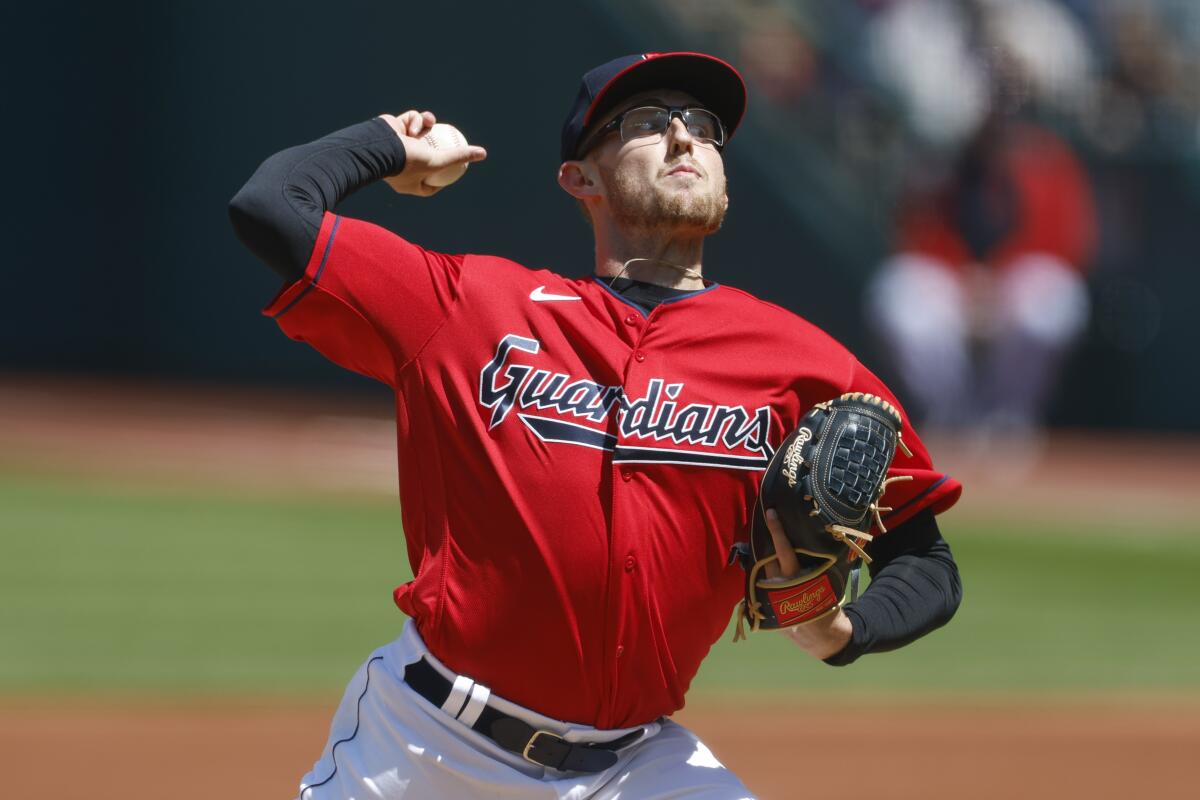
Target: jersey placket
<point>627,509</point>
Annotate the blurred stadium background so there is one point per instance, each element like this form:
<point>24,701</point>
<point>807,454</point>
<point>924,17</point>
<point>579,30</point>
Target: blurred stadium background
<point>198,524</point>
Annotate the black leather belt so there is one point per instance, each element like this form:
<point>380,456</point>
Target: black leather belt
<point>538,746</point>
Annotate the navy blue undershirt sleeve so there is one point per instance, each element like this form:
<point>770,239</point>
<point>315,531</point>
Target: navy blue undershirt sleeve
<point>278,213</point>
<point>915,589</point>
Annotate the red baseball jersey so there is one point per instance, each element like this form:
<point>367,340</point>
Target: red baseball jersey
<point>573,469</point>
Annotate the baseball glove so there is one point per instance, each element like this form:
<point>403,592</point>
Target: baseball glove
<point>825,482</point>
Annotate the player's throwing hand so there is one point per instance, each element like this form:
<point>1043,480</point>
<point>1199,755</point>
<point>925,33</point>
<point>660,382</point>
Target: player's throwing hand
<point>422,159</point>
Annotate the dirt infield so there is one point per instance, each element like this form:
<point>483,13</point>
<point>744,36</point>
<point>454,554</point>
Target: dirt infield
<point>234,752</point>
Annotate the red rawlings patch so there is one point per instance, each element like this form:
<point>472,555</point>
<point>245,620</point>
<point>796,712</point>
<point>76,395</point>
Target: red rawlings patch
<point>804,602</point>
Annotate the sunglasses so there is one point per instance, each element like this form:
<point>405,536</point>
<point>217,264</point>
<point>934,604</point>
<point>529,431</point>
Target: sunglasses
<point>646,121</point>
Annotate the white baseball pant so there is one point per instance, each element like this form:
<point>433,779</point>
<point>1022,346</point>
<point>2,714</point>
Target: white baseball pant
<point>387,741</point>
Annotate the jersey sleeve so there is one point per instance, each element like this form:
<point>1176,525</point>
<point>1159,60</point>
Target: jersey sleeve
<point>368,299</point>
<point>928,487</point>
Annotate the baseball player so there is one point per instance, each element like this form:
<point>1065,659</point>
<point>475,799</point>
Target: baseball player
<point>578,455</point>
<point>997,253</point>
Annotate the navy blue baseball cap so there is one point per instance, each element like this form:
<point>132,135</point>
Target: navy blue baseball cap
<point>707,78</point>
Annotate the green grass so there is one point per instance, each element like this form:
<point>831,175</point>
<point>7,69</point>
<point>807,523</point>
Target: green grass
<point>105,590</point>
<point>116,591</point>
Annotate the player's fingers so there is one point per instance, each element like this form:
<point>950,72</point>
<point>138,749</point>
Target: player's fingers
<point>789,565</point>
<point>396,123</point>
<point>770,570</point>
<point>428,118</point>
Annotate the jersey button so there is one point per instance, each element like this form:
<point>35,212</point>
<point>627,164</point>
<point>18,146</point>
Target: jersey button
<point>626,475</point>
<point>630,563</point>
<point>620,650</point>
<point>639,356</point>
<point>631,319</point>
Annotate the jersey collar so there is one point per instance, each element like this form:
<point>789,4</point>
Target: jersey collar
<point>645,312</point>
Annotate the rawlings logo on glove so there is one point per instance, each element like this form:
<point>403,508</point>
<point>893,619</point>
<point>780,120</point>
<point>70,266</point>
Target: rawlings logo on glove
<point>792,458</point>
<point>824,482</point>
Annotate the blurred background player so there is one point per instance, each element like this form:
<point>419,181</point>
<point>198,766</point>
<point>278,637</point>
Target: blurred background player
<point>985,293</point>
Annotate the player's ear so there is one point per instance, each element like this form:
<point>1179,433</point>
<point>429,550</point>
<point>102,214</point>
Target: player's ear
<point>579,179</point>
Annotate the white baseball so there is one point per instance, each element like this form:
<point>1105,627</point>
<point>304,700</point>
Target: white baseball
<point>443,137</point>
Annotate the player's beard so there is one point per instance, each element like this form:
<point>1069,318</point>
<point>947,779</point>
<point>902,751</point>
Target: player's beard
<point>638,205</point>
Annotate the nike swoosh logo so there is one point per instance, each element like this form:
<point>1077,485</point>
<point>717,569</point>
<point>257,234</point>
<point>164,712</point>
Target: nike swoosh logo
<point>539,295</point>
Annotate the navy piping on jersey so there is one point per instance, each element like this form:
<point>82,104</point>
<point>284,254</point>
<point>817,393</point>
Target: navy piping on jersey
<point>357,723</point>
<point>645,312</point>
<point>935,485</point>
<point>337,220</point>
<point>689,295</point>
